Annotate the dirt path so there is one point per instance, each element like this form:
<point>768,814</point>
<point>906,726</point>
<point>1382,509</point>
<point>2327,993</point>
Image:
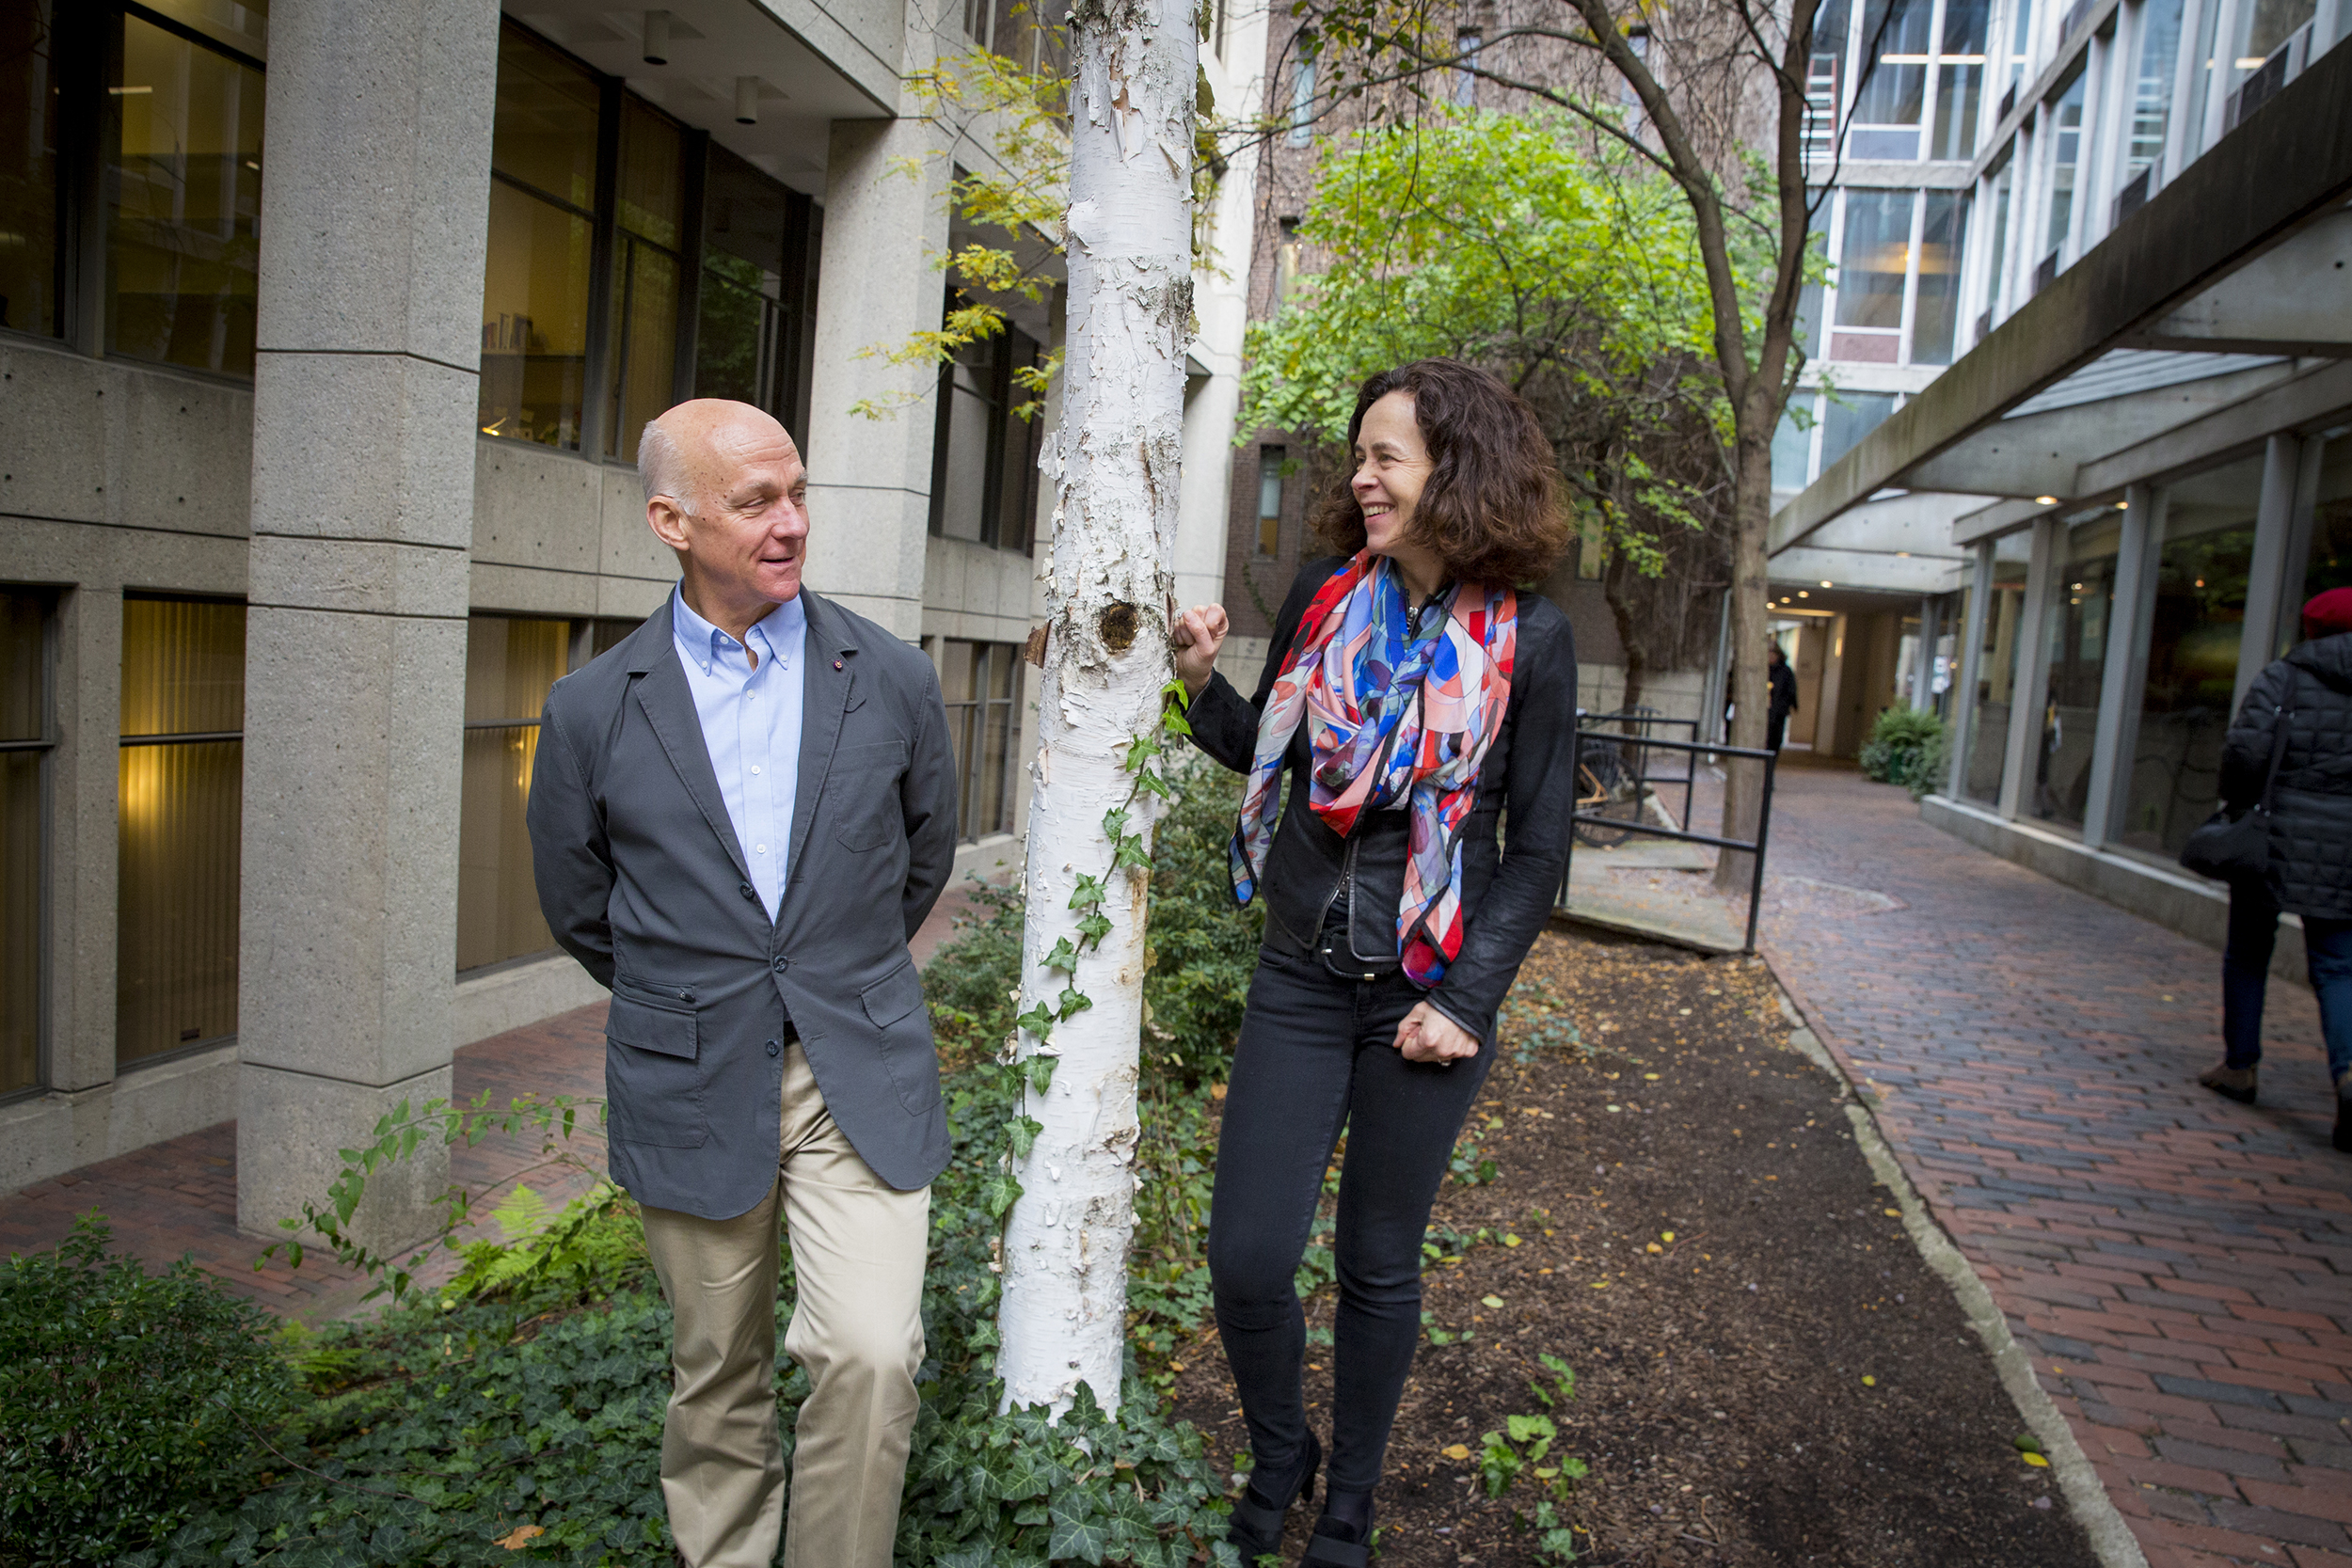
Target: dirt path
<point>1765,1371</point>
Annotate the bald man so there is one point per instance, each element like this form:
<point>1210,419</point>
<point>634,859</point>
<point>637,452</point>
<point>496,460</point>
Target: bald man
<point>738,816</point>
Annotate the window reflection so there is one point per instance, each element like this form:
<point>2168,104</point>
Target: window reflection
<point>2199,614</point>
<point>2082,603</point>
<point>29,105</point>
<point>643,374</point>
<point>759,290</point>
<point>185,174</point>
<point>534,294</point>
<point>1997,677</point>
<point>985,454</point>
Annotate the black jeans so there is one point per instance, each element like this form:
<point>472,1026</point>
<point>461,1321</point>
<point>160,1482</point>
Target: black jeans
<point>1316,1054</point>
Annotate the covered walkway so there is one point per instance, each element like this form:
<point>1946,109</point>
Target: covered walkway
<point>2178,1267</point>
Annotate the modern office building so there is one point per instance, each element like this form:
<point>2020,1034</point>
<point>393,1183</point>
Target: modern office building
<point>326,330</point>
<point>2098,523</point>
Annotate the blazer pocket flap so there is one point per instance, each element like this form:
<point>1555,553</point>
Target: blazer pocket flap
<point>892,997</point>
<point>663,1030</point>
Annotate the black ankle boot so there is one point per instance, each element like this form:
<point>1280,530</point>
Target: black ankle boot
<point>1256,1527</point>
<point>1342,1537</point>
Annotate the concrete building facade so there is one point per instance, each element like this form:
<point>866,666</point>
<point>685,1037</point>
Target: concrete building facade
<point>326,332</point>
<point>2097,525</point>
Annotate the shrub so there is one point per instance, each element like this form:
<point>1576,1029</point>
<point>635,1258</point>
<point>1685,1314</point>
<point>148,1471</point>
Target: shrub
<point>128,1401</point>
<point>1900,744</point>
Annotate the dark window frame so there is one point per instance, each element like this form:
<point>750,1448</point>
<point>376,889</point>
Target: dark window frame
<point>600,439</point>
<point>85,45</point>
<point>972,715</point>
<point>45,746</point>
<point>999,393</point>
<point>185,737</point>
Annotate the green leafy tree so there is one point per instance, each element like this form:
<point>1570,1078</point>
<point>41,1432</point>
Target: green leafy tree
<point>1525,243</point>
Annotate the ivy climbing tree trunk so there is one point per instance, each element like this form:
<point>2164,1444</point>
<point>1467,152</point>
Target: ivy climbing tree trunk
<point>1114,458</point>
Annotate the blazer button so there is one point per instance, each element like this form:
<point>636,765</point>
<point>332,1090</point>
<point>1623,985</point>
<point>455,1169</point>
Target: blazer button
<point>779,963</point>
<point>774,1048</point>
<point>746,890</point>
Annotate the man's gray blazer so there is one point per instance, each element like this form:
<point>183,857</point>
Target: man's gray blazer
<point>641,879</point>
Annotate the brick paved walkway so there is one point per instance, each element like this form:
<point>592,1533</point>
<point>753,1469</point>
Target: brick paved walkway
<point>2179,1267</point>
<point>181,1196</point>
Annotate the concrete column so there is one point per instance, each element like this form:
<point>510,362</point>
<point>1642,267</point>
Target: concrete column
<point>2301,515</point>
<point>1923,668</point>
<point>1970,670</point>
<point>1828,731</point>
<point>2124,674</point>
<point>870,478</point>
<point>372,255</point>
<point>2029,693</point>
<point>2265,574</point>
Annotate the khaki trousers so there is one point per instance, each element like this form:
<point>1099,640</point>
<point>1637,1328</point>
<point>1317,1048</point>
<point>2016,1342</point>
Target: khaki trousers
<point>857,1329</point>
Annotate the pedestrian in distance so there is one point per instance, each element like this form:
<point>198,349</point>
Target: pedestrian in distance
<point>738,816</point>
<point>1413,694</point>
<point>2289,755</point>
<point>1782,682</point>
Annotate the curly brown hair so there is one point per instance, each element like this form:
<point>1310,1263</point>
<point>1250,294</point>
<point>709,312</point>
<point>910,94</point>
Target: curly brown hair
<point>1491,508</point>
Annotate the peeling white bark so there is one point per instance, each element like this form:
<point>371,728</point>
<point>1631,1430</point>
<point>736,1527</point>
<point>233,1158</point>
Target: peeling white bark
<point>1114,460</point>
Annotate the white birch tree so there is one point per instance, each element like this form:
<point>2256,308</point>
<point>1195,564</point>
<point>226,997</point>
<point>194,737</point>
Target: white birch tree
<point>1114,460</point>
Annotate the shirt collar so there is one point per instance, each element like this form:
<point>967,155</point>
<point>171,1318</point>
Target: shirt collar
<point>777,629</point>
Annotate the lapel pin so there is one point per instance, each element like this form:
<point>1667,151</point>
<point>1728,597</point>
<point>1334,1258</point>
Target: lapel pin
<point>837,664</point>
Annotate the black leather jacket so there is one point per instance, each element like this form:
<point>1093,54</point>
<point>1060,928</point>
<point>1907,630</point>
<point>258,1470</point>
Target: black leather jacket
<point>1528,773</point>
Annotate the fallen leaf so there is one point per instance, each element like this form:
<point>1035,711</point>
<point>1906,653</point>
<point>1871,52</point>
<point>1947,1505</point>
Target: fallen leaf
<point>1490,1301</point>
<point>2036,1461</point>
<point>1870,1383</point>
<point>1454,1451</point>
<point>522,1536</point>
<point>1893,1214</point>
<point>1654,1247</point>
<point>1509,1240</point>
<point>1665,1235</point>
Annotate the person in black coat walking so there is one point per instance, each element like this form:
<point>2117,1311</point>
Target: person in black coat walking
<point>2309,691</point>
<point>1783,686</point>
<point>1413,695</point>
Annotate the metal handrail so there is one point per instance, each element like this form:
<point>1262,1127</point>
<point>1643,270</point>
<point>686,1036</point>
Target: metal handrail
<point>1763,822</point>
<point>1688,777</point>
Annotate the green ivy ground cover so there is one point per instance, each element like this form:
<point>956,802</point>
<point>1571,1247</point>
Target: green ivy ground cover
<point>517,1414</point>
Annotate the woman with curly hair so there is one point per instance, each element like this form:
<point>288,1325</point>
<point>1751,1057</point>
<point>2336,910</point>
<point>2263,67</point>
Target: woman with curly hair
<point>1415,694</point>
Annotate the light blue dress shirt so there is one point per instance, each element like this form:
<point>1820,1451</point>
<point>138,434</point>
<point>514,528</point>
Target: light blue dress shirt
<point>751,721</point>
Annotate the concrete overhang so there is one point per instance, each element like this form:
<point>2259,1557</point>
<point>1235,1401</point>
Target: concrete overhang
<point>1807,567</point>
<point>814,62</point>
<point>2288,167</point>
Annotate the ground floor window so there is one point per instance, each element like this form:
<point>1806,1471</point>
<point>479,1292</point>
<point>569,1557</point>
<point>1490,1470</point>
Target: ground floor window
<point>511,662</point>
<point>981,683</point>
<point>1996,680</point>
<point>2081,604</point>
<point>180,808</point>
<point>26,739</point>
<point>2194,630</point>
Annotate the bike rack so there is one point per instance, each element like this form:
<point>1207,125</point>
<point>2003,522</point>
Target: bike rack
<point>1691,748</point>
<point>1647,718</point>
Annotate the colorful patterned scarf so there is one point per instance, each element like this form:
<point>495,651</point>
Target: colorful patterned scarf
<point>1388,716</point>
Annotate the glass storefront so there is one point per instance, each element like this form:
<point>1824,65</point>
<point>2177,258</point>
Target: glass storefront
<point>2329,564</point>
<point>2082,604</point>
<point>1996,674</point>
<point>180,825</point>
<point>2194,630</point>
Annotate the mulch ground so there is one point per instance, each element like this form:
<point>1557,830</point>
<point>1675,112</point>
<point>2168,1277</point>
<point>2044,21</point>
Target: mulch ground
<point>1766,1371</point>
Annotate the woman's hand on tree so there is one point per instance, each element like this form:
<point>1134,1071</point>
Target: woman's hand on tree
<point>1427,1035</point>
<point>1196,635</point>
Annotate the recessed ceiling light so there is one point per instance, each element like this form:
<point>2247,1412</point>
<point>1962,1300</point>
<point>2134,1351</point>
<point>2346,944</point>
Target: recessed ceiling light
<point>2045,500</point>
<point>1826,583</point>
